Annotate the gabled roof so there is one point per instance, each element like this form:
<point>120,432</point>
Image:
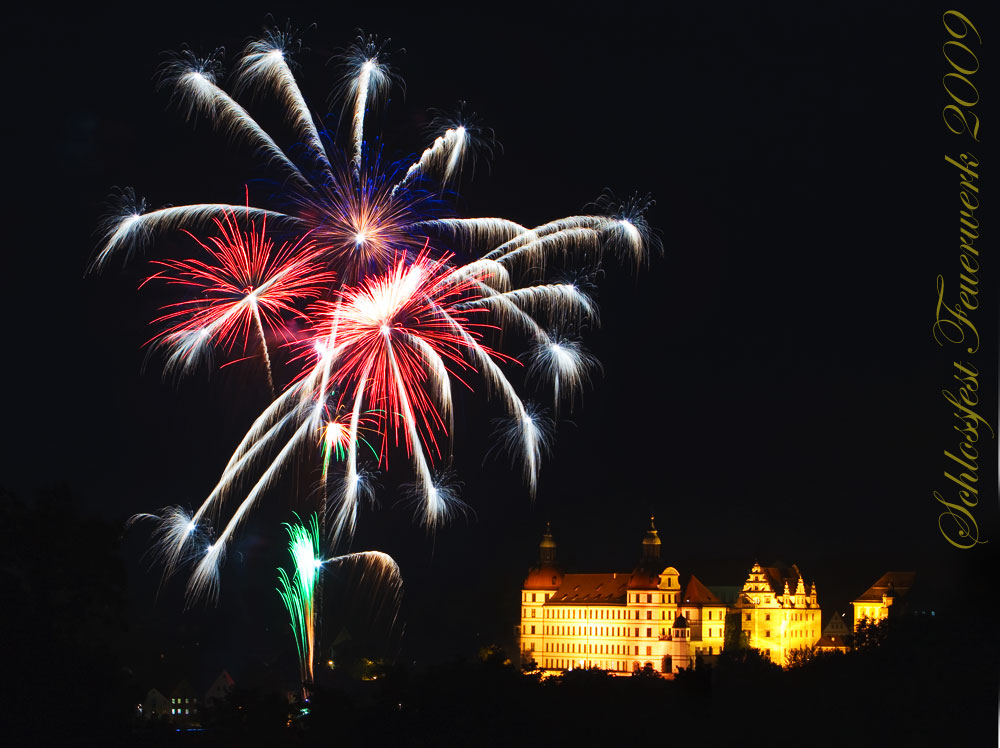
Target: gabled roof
<point>591,589</point>
<point>836,626</point>
<point>698,594</point>
<point>901,582</point>
<point>831,640</point>
<point>777,576</point>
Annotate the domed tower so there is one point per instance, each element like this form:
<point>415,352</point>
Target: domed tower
<point>646,575</point>
<point>679,647</point>
<point>542,581</point>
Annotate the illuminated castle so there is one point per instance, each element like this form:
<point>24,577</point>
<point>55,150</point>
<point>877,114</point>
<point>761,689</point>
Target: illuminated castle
<point>626,622</point>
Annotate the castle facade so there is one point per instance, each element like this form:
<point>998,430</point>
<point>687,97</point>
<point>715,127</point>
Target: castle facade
<point>652,617</point>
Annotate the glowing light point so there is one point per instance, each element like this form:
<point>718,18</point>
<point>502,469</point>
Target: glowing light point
<point>631,230</point>
<point>360,238</point>
<point>190,528</point>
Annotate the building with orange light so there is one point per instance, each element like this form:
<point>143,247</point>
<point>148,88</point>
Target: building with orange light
<point>623,622</point>
<point>876,603</point>
<point>777,613</point>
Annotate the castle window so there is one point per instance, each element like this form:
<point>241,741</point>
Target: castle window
<point>532,612</point>
<point>649,632</point>
<point>767,633</point>
<point>748,616</point>
<point>532,631</point>
<point>767,617</point>
<point>532,597</point>
<point>649,614</point>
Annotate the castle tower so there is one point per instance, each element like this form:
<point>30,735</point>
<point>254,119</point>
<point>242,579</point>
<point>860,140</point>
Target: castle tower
<point>542,580</point>
<point>547,548</point>
<point>651,545</point>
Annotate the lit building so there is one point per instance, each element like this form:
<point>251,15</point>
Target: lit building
<point>776,612</point>
<point>622,622</point>
<point>876,602</point>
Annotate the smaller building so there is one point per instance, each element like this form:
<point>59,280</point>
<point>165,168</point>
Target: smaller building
<point>887,594</point>
<point>836,635</point>
<point>155,705</point>
<point>220,689</point>
<point>185,708</point>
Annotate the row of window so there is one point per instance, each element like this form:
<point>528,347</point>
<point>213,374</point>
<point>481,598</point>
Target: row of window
<point>534,599</point>
<point>602,614</point>
<point>793,634</point>
<point>795,617</point>
<point>572,648</point>
<point>184,701</point>
<point>617,666</point>
<point>594,631</point>
<point>601,631</point>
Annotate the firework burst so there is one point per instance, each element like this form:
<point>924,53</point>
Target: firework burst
<point>244,284</point>
<point>403,320</point>
<point>300,591</point>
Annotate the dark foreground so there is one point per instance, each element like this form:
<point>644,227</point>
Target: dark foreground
<point>922,685</point>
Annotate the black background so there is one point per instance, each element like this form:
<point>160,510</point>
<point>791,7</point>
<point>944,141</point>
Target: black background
<point>771,388</point>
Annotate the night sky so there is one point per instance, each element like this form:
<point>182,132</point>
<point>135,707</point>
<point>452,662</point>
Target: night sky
<point>771,389</point>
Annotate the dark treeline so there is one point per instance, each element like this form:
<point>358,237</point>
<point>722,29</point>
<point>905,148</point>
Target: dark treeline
<point>920,680</point>
<point>912,683</point>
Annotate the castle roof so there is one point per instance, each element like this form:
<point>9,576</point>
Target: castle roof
<point>543,577</point>
<point>898,581</point>
<point>779,576</point>
<point>591,589</point>
<point>829,641</point>
<point>698,594</point>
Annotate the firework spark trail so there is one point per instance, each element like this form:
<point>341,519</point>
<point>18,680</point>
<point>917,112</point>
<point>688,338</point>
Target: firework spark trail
<point>204,580</point>
<point>563,361</point>
<point>448,147</point>
<point>132,227</point>
<point>367,78</point>
<point>264,61</point>
<point>195,88</point>
<point>347,512</point>
<point>299,592</point>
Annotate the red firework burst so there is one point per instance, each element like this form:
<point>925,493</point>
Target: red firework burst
<point>394,340</point>
<point>245,283</point>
